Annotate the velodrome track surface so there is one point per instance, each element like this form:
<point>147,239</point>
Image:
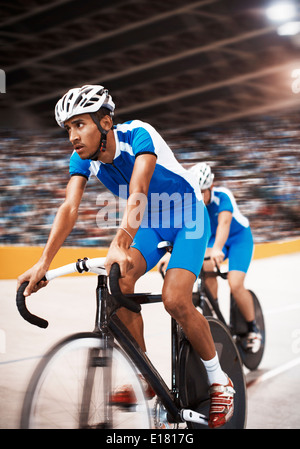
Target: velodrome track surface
<point>69,305</point>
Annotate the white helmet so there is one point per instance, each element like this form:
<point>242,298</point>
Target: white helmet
<point>82,100</point>
<point>203,173</point>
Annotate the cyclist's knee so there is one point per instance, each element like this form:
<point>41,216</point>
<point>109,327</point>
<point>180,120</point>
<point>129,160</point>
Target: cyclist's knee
<point>236,285</point>
<point>177,293</point>
<point>170,304</point>
<point>176,304</point>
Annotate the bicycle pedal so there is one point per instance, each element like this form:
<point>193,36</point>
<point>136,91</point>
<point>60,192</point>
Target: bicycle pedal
<point>192,416</point>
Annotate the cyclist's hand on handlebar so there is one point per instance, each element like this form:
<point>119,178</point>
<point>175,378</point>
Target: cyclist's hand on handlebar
<point>217,257</point>
<point>120,256</point>
<point>163,263</point>
<point>33,276</point>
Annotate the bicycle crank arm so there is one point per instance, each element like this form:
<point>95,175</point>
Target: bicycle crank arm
<point>190,415</point>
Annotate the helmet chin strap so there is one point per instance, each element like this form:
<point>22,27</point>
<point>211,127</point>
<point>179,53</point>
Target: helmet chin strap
<point>102,144</point>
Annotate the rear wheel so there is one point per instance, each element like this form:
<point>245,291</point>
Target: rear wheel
<point>193,381</point>
<point>72,385</point>
<point>239,330</point>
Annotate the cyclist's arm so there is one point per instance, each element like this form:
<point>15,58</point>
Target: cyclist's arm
<point>222,233</point>
<point>62,226</point>
<point>138,189</point>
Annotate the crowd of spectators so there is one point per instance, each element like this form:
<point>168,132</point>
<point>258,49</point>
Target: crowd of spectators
<point>257,159</point>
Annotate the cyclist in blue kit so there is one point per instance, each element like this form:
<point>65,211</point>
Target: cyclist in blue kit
<point>163,200</point>
<point>231,238</point>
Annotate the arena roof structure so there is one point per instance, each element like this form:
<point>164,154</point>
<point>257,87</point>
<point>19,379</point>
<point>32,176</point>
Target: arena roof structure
<point>182,65</point>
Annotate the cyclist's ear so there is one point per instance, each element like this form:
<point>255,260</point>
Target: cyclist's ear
<point>106,122</point>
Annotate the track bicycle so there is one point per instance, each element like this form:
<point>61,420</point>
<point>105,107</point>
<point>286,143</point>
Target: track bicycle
<point>237,324</point>
<point>72,385</point>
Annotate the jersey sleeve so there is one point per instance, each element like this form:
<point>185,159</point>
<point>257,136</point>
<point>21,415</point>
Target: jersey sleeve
<point>225,203</point>
<point>79,166</point>
<point>142,142</point>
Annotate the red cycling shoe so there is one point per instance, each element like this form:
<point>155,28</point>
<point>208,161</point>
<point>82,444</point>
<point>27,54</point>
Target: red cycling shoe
<point>221,404</point>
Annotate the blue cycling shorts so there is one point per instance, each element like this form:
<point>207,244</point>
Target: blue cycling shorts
<point>189,243</point>
<point>238,250</point>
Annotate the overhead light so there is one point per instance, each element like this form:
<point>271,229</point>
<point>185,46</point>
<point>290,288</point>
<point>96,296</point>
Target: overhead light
<point>289,29</point>
<point>281,11</point>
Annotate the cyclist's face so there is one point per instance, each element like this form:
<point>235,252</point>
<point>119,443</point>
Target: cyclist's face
<point>83,134</point>
<point>206,194</point>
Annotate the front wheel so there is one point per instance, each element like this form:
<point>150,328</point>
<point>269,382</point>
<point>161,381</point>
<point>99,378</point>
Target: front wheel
<point>72,386</point>
<point>193,381</point>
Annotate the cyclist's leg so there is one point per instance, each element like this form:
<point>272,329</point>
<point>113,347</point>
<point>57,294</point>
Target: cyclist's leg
<point>240,255</point>
<point>177,299</point>
<point>145,255</point>
<point>182,271</point>
<point>241,295</point>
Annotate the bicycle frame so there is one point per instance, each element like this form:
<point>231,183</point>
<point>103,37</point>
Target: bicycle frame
<point>108,323</point>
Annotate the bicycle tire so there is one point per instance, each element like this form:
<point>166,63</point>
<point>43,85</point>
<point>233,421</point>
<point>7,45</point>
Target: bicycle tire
<point>72,384</point>
<point>239,329</point>
<point>193,381</point>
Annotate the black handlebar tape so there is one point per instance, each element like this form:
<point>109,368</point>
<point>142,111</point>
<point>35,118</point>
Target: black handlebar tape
<point>24,312</point>
<point>222,275</point>
<point>114,277</point>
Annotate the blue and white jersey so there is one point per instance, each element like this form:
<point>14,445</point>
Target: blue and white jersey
<point>132,139</point>
<point>221,200</point>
